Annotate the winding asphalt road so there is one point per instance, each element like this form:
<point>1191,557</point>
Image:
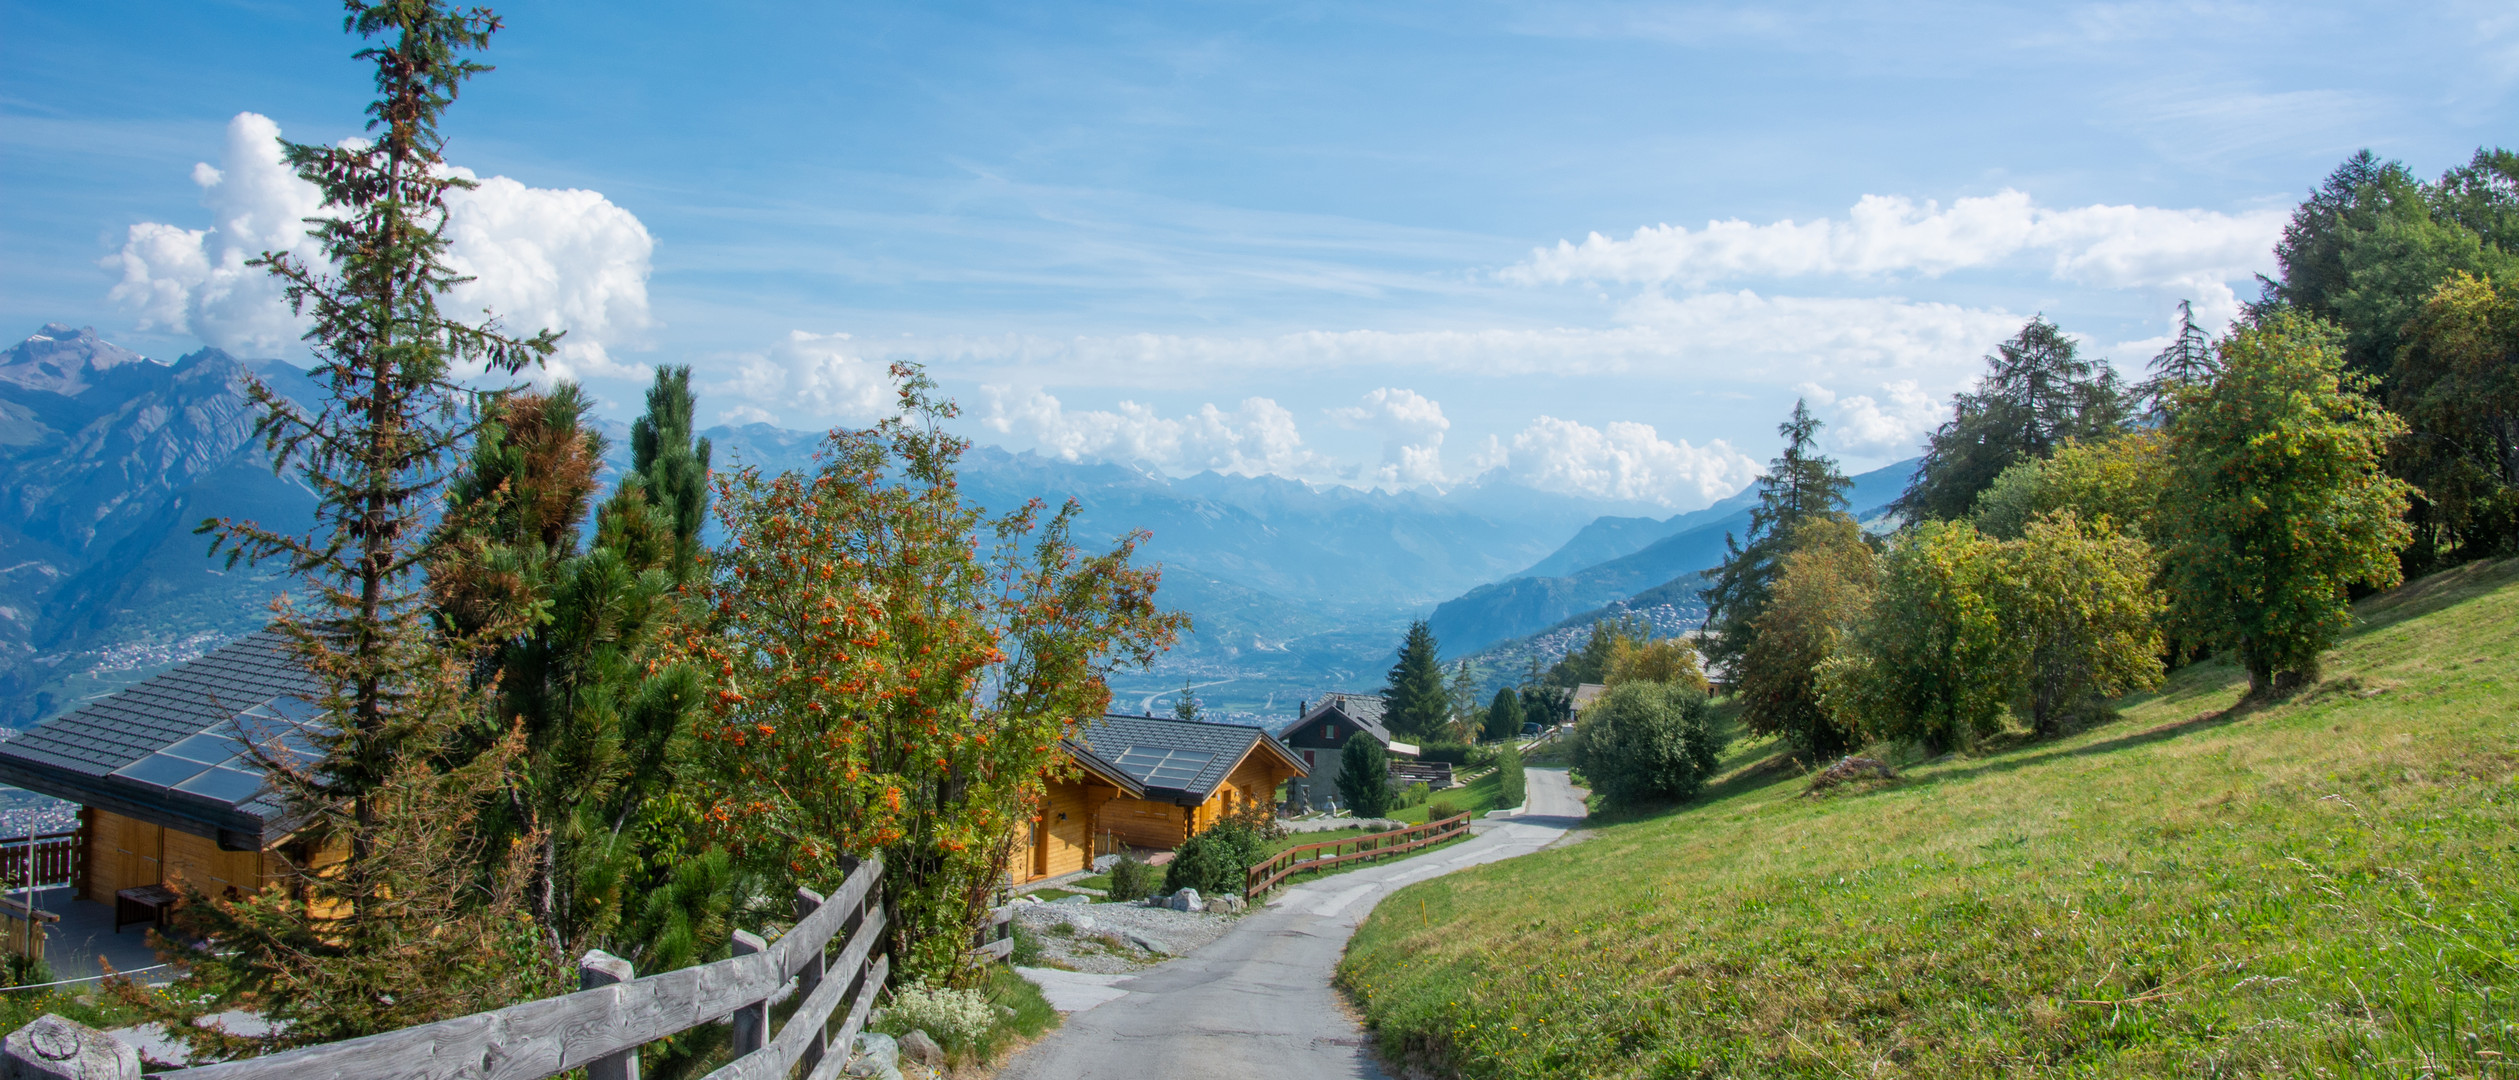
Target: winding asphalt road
<point>1257,1002</point>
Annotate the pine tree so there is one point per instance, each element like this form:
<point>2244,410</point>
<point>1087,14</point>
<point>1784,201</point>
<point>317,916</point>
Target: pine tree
<point>601,701</point>
<point>2037,392</point>
<point>1187,708</point>
<point>1416,703</point>
<point>1801,485</point>
<point>406,927</point>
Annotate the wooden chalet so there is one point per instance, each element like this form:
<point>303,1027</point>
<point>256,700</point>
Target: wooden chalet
<point>168,793</point>
<point>1067,835</point>
<point>1319,733</point>
<point>1190,775</point>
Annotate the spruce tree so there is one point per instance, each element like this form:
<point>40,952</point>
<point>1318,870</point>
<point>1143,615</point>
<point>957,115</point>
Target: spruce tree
<point>1364,776</point>
<point>1800,485</point>
<point>1416,703</point>
<point>403,925</point>
<point>1504,715</point>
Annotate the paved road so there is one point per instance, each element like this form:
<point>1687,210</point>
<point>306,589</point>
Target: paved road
<point>1257,1002</point>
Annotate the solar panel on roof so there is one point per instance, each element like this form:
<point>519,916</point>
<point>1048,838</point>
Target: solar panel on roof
<point>224,784</point>
<point>1163,766</point>
<point>162,770</point>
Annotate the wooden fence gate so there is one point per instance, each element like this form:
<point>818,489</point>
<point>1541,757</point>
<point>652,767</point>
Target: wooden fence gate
<point>598,1029</point>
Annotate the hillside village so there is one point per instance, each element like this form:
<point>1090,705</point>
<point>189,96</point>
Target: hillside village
<point>395,713</point>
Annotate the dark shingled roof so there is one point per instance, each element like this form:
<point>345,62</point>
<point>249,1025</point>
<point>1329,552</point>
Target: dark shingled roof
<point>165,750</point>
<point>1180,761</point>
<point>1362,710</point>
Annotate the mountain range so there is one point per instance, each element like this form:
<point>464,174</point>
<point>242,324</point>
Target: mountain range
<point>109,460</point>
<point>1620,564</point>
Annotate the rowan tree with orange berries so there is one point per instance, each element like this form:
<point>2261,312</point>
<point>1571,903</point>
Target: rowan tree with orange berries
<point>895,669</point>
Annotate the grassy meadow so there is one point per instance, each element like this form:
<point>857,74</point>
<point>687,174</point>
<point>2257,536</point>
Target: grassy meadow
<point>2324,886</point>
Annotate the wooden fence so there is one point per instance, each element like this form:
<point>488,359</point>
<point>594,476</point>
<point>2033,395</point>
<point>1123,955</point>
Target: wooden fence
<point>53,856</point>
<point>1296,860</point>
<point>598,1029</point>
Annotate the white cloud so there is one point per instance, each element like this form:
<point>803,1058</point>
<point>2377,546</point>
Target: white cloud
<point>562,259</point>
<point>565,258</point>
<point>808,378</point>
<point>2109,246</point>
<point>1624,460</point>
<point>1890,423</point>
<point>196,280</point>
<point>1258,437</point>
<point>1412,427</point>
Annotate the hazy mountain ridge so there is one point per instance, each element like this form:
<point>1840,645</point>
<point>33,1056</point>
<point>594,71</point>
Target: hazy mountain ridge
<point>111,459</point>
<point>108,460</point>
<point>1489,615</point>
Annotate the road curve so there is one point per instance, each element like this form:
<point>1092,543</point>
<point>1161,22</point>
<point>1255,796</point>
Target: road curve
<point>1257,1002</point>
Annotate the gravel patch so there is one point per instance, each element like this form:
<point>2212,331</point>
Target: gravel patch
<point>1112,939</point>
<point>1310,825</point>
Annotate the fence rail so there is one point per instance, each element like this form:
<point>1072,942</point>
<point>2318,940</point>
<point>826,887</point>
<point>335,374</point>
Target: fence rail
<point>599,1028</point>
<point>1296,860</point>
<point>54,857</point>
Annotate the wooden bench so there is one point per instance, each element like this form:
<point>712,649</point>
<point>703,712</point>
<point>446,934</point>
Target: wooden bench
<point>143,903</point>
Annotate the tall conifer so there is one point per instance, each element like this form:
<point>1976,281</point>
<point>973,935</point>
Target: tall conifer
<point>399,927</point>
<point>1800,485</point>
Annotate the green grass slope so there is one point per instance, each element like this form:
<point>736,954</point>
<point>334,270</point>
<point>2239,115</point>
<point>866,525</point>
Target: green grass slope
<point>2326,886</point>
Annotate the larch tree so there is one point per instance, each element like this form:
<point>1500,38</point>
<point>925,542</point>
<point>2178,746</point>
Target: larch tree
<point>2186,361</point>
<point>402,925</point>
<point>2278,502</point>
<point>2038,391</point>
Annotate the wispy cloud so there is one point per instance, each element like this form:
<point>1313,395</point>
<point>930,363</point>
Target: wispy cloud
<point>1890,236</point>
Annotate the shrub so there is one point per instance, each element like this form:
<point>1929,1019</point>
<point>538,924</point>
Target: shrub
<point>958,1019</point>
<point>1455,754</point>
<point>1216,861</point>
<point>1132,880</point>
<point>1646,741</point>
<point>1413,795</point>
<point>1932,659</point>
<point>1509,780</point>
<point>1364,776</point>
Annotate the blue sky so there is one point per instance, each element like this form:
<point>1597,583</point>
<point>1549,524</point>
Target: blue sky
<point>1342,242</point>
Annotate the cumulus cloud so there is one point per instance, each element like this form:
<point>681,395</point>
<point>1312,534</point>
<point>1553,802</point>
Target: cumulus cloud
<point>196,280</point>
<point>1890,422</point>
<point>1258,437</point>
<point>807,378</point>
<point>1412,428</point>
<point>563,259</point>
<point>1625,460</point>
<point>1884,235</point>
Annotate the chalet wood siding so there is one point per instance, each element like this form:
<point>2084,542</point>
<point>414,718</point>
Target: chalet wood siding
<point>1145,823</point>
<point>1060,841</point>
<point>123,853</point>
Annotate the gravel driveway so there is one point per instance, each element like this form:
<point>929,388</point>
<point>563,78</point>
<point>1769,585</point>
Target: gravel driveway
<point>1257,1001</point>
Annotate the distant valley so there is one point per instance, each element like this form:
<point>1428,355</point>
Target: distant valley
<point>112,459</point>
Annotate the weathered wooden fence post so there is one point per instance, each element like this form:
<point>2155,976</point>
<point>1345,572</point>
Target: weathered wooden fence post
<point>51,1048</point>
<point>600,968</point>
<point>752,1022</point>
<point>808,978</point>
